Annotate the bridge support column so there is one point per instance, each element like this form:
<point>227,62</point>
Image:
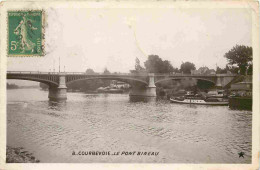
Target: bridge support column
<point>149,91</point>
<point>60,92</point>
<point>219,82</point>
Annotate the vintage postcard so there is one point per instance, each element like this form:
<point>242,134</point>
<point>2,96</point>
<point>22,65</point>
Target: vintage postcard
<point>129,85</point>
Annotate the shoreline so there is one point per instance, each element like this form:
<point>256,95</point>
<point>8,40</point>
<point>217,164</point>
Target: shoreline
<point>19,155</point>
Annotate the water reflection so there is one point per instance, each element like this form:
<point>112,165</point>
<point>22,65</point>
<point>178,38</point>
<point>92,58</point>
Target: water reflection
<point>142,99</point>
<point>57,105</point>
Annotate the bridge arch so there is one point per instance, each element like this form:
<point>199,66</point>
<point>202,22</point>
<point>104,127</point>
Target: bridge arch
<point>45,81</point>
<point>122,79</point>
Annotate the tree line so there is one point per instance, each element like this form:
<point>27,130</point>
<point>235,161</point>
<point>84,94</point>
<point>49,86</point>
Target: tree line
<point>239,62</point>
<point>11,86</point>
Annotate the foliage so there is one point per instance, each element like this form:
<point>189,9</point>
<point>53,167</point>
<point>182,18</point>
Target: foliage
<point>176,70</point>
<point>240,56</point>
<point>11,86</point>
<point>155,64</point>
<point>187,67</point>
<point>167,67</point>
<point>250,69</point>
<point>229,68</point>
<point>138,68</point>
<point>106,71</point>
<point>233,69</point>
<point>221,71</point>
<point>205,70</point>
<point>90,71</point>
<point>105,82</point>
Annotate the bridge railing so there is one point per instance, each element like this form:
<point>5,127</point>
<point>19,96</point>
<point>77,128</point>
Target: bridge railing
<point>130,74</point>
<point>30,72</point>
<point>100,74</point>
<point>192,75</point>
<point>68,73</point>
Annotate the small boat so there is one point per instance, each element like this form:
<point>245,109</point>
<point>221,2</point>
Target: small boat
<point>115,91</point>
<point>197,99</point>
<point>109,90</point>
<point>217,93</point>
<point>200,102</point>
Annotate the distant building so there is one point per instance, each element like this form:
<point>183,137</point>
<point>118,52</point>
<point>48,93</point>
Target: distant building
<point>212,71</point>
<point>203,71</point>
<point>194,72</point>
<point>243,88</point>
<point>241,94</point>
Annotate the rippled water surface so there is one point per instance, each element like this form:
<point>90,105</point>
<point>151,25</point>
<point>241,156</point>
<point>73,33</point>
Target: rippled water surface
<point>113,123</point>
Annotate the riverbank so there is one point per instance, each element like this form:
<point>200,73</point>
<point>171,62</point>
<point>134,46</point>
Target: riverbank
<point>19,155</point>
<point>243,103</point>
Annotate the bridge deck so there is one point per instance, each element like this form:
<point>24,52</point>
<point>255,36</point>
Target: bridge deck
<point>119,74</point>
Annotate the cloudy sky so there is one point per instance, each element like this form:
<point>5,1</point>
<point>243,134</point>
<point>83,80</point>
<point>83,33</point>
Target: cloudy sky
<point>113,38</point>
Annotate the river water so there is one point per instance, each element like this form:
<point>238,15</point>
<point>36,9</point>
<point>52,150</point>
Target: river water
<point>111,123</point>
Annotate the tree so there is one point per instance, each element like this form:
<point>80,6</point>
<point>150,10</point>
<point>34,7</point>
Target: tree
<point>240,56</point>
<point>106,82</point>
<point>155,64</point>
<point>138,67</point>
<point>221,71</point>
<point>90,71</point>
<point>167,67</point>
<point>176,70</point>
<point>204,70</point>
<point>250,69</point>
<point>106,71</point>
<point>187,67</point>
<point>233,69</point>
<point>11,86</point>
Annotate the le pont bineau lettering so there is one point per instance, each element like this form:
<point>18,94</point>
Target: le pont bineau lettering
<point>126,153</point>
<point>140,153</point>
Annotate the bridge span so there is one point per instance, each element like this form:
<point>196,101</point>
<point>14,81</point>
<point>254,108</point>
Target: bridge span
<point>141,84</point>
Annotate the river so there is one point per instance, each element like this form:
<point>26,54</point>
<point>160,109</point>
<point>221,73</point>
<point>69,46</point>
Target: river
<point>111,123</point>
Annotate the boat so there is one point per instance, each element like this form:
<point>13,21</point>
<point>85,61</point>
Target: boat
<point>217,93</point>
<point>191,98</point>
<point>109,90</point>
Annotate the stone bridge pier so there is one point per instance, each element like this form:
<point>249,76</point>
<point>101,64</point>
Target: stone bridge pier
<point>145,91</point>
<point>58,93</point>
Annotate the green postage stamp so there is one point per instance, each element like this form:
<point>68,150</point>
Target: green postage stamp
<point>25,33</point>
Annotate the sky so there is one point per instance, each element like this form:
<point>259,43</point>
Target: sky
<point>113,38</point>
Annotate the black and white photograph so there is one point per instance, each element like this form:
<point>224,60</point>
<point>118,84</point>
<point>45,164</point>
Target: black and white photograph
<point>158,82</point>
